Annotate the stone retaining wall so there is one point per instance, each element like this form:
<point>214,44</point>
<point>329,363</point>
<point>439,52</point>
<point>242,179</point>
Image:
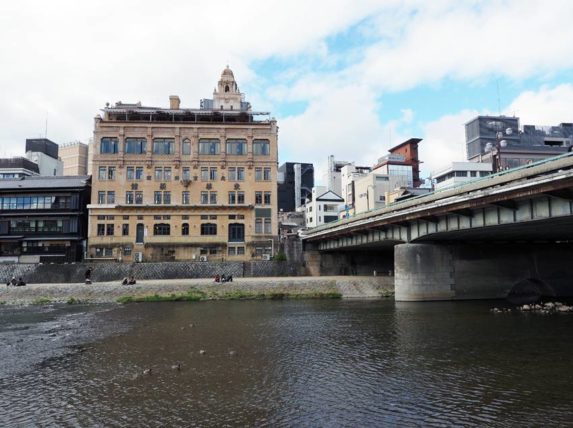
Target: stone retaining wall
<point>110,271</point>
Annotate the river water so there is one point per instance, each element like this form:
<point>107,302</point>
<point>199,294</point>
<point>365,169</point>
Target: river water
<point>284,363</point>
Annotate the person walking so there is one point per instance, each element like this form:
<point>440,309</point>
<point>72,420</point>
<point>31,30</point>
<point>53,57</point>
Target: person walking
<point>88,275</point>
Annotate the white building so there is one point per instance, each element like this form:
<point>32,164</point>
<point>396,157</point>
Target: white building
<point>333,176</point>
<point>323,208</point>
<point>371,190</point>
<point>348,175</point>
<point>459,172</point>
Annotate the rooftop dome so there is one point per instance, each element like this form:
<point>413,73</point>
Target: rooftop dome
<point>227,72</point>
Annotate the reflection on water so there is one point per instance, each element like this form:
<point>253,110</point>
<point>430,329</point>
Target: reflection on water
<point>292,363</point>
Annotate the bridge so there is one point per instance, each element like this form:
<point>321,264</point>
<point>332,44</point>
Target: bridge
<point>507,233</point>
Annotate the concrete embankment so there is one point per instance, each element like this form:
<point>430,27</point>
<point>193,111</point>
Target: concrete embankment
<point>272,287</point>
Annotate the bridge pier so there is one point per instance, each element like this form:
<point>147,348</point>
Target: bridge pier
<point>426,272</point>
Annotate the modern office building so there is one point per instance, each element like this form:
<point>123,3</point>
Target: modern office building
<point>17,167</point>
<point>180,183</point>
<point>501,141</point>
<point>75,158</point>
<point>295,185</point>
<point>43,219</point>
<point>44,153</point>
<point>402,161</point>
<point>333,175</point>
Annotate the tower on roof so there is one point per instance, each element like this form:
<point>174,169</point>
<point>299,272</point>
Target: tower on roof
<point>227,95</point>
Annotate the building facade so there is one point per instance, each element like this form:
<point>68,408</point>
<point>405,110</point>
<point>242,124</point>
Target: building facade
<point>43,219</point>
<point>323,208</point>
<point>500,140</point>
<point>44,153</point>
<point>295,185</point>
<point>17,167</point>
<point>185,184</point>
<point>459,172</point>
<point>75,158</point>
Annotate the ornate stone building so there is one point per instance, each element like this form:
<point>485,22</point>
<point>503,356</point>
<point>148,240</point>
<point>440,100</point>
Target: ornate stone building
<point>185,184</point>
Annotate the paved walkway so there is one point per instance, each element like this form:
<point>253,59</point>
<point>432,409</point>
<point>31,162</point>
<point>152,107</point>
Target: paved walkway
<point>101,292</point>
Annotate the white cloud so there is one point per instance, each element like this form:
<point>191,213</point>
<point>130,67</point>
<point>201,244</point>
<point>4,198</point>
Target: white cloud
<point>546,106</point>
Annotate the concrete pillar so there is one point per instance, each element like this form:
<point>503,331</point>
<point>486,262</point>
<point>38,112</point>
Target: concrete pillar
<point>423,272</point>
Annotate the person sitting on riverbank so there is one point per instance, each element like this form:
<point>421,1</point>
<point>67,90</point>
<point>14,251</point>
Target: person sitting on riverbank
<point>14,281</point>
<point>230,278</point>
<point>223,278</point>
<point>125,281</point>
<point>21,282</point>
<point>131,280</point>
<point>217,278</point>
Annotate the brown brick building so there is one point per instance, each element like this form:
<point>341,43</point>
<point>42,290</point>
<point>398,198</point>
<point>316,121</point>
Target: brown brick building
<point>184,184</point>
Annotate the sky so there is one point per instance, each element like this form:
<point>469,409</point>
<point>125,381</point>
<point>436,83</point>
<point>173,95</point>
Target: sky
<point>349,78</point>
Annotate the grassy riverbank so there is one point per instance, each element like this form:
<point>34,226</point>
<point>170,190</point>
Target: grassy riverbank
<point>190,290</point>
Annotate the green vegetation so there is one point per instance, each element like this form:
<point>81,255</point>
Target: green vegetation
<point>74,301</point>
<point>280,257</point>
<point>42,301</point>
<point>190,296</point>
<point>2,302</point>
<point>197,295</point>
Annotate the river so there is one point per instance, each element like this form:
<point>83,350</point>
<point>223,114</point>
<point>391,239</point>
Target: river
<point>284,363</point>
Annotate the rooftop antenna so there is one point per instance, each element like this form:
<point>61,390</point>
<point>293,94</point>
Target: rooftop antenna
<point>46,127</point>
<point>498,100</point>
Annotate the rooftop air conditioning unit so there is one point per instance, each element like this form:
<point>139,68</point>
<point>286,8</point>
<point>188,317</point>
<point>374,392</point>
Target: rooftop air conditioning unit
<point>202,258</point>
<point>266,256</point>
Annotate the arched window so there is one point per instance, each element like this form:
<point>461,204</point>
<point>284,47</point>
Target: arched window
<point>185,229</point>
<point>226,88</point>
<point>161,229</point>
<point>208,229</point>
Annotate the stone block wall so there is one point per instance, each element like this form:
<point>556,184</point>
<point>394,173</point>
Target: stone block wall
<point>112,271</point>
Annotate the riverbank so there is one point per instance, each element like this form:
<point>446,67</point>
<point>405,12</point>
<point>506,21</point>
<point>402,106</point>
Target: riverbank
<point>365,287</point>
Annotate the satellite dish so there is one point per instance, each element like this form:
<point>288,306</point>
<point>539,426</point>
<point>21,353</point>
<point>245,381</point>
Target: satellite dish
<point>503,143</point>
<point>508,131</point>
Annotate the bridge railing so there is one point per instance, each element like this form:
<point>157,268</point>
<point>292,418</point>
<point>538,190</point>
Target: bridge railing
<point>436,193</point>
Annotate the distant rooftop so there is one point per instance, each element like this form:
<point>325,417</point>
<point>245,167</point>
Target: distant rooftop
<point>19,162</point>
<point>41,182</point>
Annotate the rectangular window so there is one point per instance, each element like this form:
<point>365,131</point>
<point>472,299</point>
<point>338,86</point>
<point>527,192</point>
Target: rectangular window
<point>240,173</point>
<point>186,174</point>
<point>102,173</point>
<point>167,198</point>
<point>232,173</point>
<point>167,174</point>
<point>267,198</point>
<point>127,250</point>
<point>111,173</point>
<point>258,174</point>
<point>100,229</point>
<point>258,225</point>
<point>231,251</point>
<point>185,200</point>
<point>213,198</point>
<point>125,229</point>
<point>129,173</point>
<point>139,173</point>
<point>236,146</point>
<point>129,198</point>
<point>267,225</point>
<point>109,229</point>
<point>109,145</point>
<point>241,197</point>
<point>208,229</point>
<point>101,197</point>
<point>261,147</point>
<point>232,198</point>
<point>138,198</point>
<point>158,174</point>
<point>204,198</point>
<point>267,174</point>
<point>209,146</point>
<point>135,146</point>
<point>186,147</point>
<point>111,197</point>
<point>204,174</point>
<point>157,198</point>
<point>163,146</point>
<point>258,198</point>
<point>213,174</point>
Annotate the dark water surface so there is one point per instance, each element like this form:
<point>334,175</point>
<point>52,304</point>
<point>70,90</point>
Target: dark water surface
<point>285,363</point>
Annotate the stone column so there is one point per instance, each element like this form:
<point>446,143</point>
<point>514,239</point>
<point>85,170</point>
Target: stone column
<point>423,272</point>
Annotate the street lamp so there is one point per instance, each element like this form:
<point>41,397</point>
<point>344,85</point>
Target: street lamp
<point>499,143</point>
